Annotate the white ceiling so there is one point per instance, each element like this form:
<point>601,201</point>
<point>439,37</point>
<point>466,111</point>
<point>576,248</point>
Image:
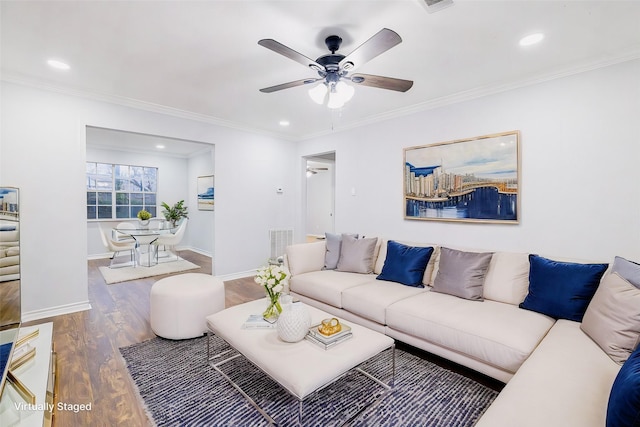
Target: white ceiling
<point>201,59</point>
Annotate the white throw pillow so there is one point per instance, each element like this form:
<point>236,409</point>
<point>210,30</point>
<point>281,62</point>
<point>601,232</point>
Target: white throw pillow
<point>305,257</point>
<point>507,278</point>
<point>612,318</point>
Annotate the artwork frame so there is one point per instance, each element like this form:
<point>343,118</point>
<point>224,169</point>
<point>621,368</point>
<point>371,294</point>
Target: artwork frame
<point>205,193</point>
<point>466,180</point>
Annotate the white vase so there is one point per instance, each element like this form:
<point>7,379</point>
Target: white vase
<point>294,321</point>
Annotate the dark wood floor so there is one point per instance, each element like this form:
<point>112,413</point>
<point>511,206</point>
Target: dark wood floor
<point>90,368</point>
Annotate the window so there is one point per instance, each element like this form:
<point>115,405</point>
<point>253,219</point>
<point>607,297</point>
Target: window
<point>120,191</point>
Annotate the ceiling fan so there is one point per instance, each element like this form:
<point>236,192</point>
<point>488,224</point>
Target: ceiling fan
<point>333,69</point>
<point>313,171</point>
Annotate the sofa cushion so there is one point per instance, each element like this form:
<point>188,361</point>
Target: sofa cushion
<point>499,334</point>
<point>405,264</point>
<point>507,278</point>
<point>327,285</point>
<point>623,409</point>
<point>461,273</point>
<point>612,318</point>
<point>13,251</point>
<point>305,257</point>
<point>564,383</point>
<point>9,260</point>
<point>332,255</point>
<point>628,270</point>
<point>371,299</point>
<point>561,289</point>
<point>357,255</point>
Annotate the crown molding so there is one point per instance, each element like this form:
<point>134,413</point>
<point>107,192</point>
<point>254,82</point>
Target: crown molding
<point>431,104</point>
<point>480,92</point>
<point>137,104</point>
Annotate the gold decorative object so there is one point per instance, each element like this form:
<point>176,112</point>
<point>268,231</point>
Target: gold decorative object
<point>330,326</point>
<point>23,340</point>
<point>22,389</point>
<point>23,358</point>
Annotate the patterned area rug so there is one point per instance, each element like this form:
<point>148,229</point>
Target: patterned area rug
<point>179,388</point>
<point>124,274</point>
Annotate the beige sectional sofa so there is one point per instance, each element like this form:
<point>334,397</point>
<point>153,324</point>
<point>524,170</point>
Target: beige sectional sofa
<point>556,375</point>
<point>9,251</point>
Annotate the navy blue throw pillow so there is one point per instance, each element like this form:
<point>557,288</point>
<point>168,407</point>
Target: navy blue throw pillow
<point>623,409</point>
<point>405,264</point>
<point>561,290</point>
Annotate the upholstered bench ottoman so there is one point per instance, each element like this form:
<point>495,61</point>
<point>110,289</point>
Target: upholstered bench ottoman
<point>180,304</point>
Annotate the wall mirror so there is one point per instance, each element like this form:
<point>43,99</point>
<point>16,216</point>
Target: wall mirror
<point>9,275</point>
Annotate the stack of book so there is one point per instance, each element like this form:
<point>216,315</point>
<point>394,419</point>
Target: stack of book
<point>328,341</point>
<point>256,321</point>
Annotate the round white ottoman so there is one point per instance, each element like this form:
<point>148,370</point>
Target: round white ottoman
<point>180,304</point>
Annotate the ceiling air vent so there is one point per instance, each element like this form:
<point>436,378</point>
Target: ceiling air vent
<point>436,5</point>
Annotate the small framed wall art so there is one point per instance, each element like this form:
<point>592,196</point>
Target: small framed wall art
<point>471,180</point>
<point>205,193</point>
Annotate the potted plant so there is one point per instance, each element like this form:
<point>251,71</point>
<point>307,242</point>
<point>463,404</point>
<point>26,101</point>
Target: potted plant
<point>144,217</point>
<point>175,213</point>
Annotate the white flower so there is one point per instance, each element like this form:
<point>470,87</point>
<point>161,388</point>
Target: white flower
<point>273,278</point>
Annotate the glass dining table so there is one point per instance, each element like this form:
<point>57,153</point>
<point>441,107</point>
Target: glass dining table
<point>146,251</point>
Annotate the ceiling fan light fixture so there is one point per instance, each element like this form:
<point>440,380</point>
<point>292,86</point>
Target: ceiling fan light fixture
<point>335,100</point>
<point>344,91</point>
<point>318,93</point>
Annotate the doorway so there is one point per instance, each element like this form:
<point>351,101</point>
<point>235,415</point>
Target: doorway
<point>320,203</point>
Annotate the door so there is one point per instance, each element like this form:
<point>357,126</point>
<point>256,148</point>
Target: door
<point>320,203</point>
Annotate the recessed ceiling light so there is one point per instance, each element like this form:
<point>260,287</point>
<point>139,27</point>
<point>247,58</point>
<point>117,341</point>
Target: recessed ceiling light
<point>58,64</point>
<point>531,39</point>
<point>160,146</point>
<point>284,123</point>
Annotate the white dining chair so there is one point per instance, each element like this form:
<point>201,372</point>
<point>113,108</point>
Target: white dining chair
<point>171,240</point>
<point>123,237</point>
<point>117,247</point>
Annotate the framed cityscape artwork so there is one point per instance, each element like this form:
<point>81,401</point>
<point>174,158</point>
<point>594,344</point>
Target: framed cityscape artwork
<point>205,193</point>
<point>469,180</point>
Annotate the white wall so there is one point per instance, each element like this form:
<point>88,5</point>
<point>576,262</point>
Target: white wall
<point>43,152</point>
<point>580,142</point>
<point>200,230</point>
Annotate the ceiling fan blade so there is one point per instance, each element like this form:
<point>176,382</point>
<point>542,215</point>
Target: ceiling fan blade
<point>380,42</point>
<point>381,82</point>
<point>283,50</point>
<point>288,85</point>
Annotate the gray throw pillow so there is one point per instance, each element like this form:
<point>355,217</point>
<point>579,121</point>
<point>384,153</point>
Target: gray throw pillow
<point>628,270</point>
<point>332,255</point>
<point>462,273</point>
<point>612,318</point>
<point>356,255</point>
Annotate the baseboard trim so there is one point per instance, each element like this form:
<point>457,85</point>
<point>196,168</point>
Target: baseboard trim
<point>55,311</point>
<point>239,275</point>
<point>196,250</point>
